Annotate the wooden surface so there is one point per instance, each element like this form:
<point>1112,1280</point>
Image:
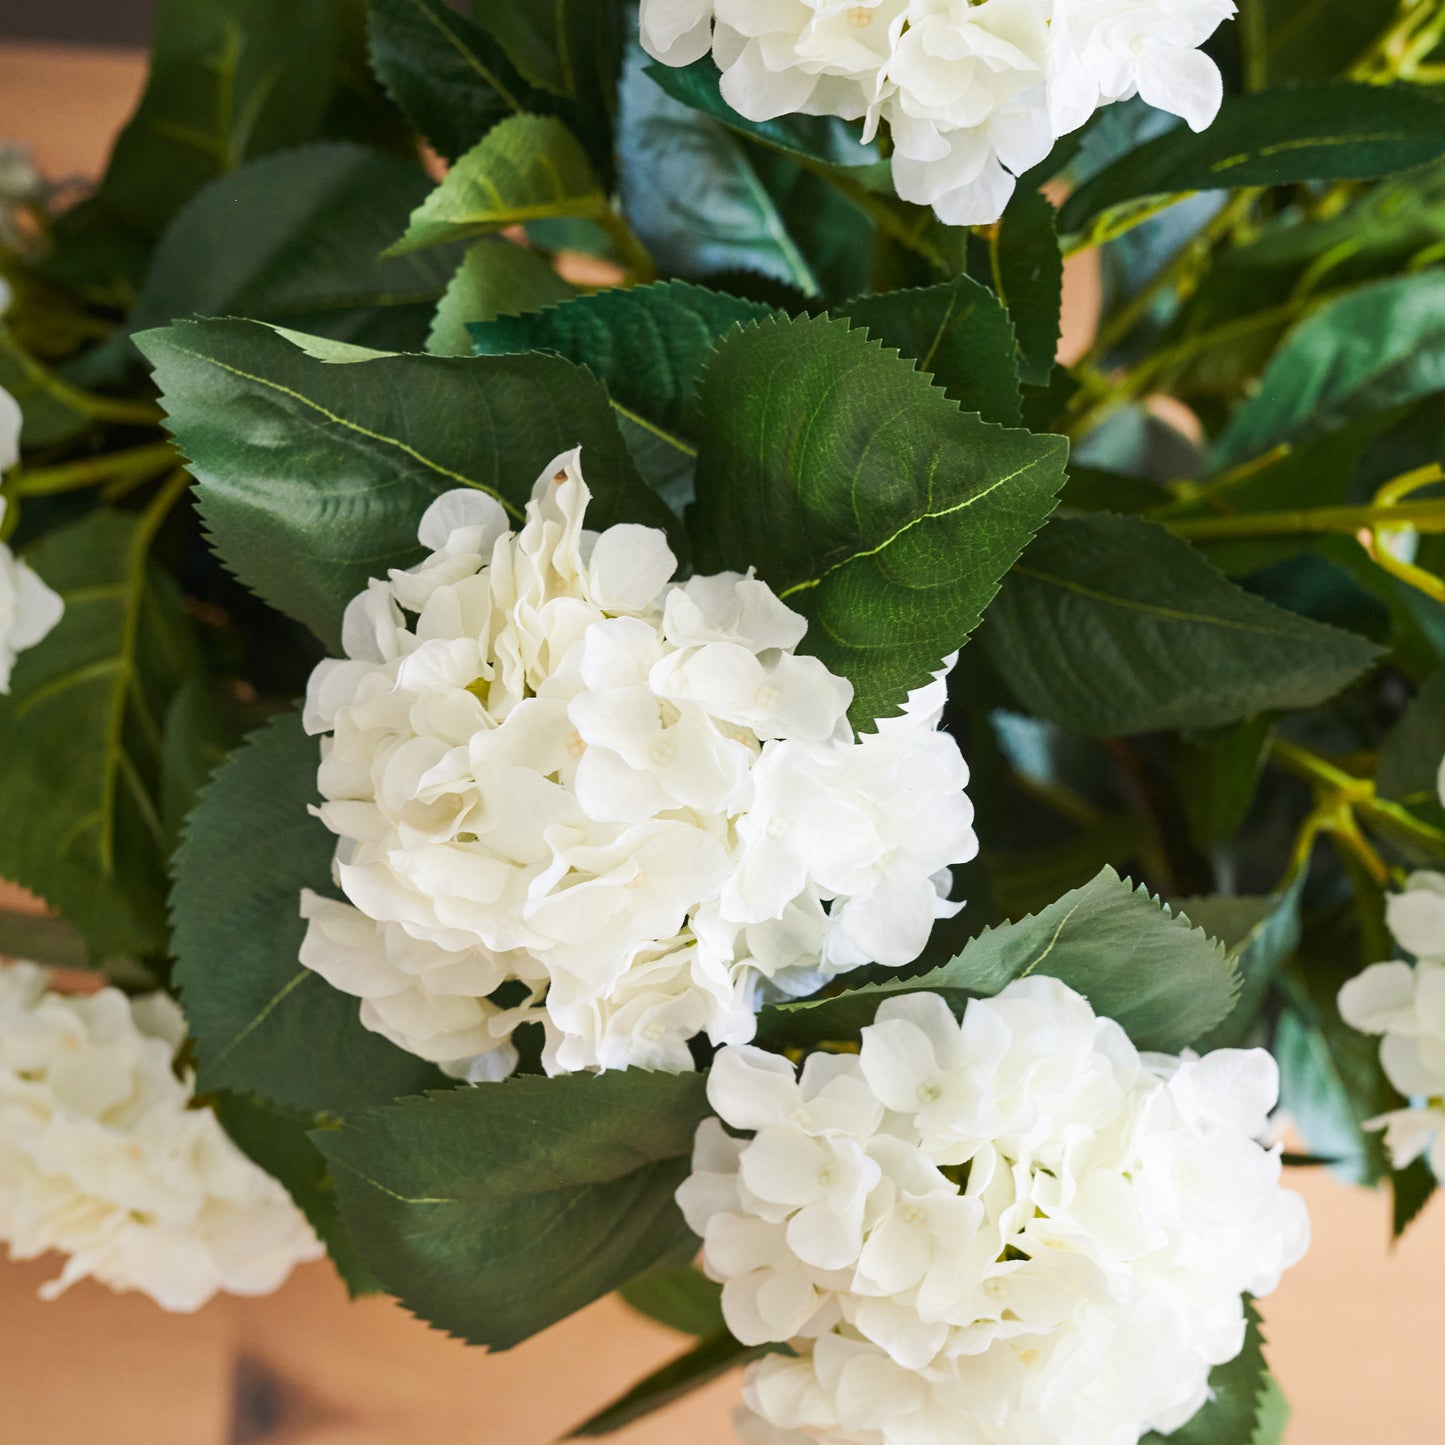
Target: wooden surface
<point>1353,1331</point>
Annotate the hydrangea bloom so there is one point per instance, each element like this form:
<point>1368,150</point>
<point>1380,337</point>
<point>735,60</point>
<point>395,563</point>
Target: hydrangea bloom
<point>974,91</point>
<point>1406,1003</point>
<point>103,1157</point>
<point>629,799</point>
<point>28,608</point>
<point>1016,1228</point>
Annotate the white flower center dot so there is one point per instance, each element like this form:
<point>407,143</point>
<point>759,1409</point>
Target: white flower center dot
<point>661,753</point>
<point>860,17</point>
<point>929,1092</point>
<point>767,697</point>
<point>913,1216</point>
<point>828,1175</point>
<point>576,746</point>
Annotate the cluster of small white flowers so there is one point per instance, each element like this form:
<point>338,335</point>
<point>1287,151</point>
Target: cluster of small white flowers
<point>972,90</point>
<point>551,767</point>
<point>1406,1003</point>
<point>28,608</point>
<point>103,1157</point>
<point>1016,1229</point>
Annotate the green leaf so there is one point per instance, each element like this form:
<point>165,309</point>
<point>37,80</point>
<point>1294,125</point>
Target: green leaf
<point>495,1211</point>
<point>496,278</point>
<point>80,737</point>
<point>1378,347</point>
<point>710,1358</point>
<point>683,1299</point>
<point>295,238</point>
<point>820,139</point>
<point>201,726</point>
<point>314,473</point>
<point>572,49</point>
<point>1409,764</point>
<point>959,334</point>
<point>1238,1389</point>
<point>278,1140</point>
<point>229,79</point>
<point>1260,934</point>
<point>1411,1189</point>
<point>869,501</point>
<point>1277,137</point>
<point>1025,267</point>
<point>646,344</point>
<point>262,1023</point>
<point>1110,626</point>
<point>1218,774</point>
<point>528,168</point>
<point>1274,1414</point>
<point>693,195</point>
<point>1164,981</point>
<point>453,81</point>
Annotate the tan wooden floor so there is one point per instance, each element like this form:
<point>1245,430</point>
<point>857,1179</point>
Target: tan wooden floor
<point>1354,1331</point>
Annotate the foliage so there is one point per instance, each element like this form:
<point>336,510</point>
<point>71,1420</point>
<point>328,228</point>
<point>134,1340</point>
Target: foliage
<point>1194,578</point>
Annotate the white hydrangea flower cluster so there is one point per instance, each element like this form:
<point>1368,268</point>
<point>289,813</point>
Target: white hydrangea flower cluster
<point>553,768</point>
<point>103,1157</point>
<point>1406,1003</point>
<point>28,608</point>
<point>1016,1229</point>
<point>974,92</point>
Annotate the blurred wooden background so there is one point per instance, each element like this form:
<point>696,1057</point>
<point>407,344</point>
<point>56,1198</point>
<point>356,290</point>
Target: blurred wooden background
<point>1351,1330</point>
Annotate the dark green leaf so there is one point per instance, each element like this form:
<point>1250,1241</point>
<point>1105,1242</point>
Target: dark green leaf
<point>1274,1414</point>
<point>1259,934</point>
<point>496,278</point>
<point>229,79</point>
<point>1110,626</point>
<point>295,238</point>
<point>647,344</point>
<point>528,168</point>
<point>1375,348</point>
<point>450,77</point>
<point>1164,981</point>
<point>495,1211</point>
<point>1238,1387</point>
<point>683,1298</point>
<point>1411,1189</point>
<point>80,738</point>
<point>1218,774</point>
<point>867,499</point>
<point>201,726</point>
<point>314,473</point>
<point>277,1139</point>
<point>571,49</point>
<point>710,1358</point>
<point>1278,137</point>
<point>1409,765</point>
<point>1026,270</point>
<point>960,334</point>
<point>262,1023</point>
<point>694,197</point>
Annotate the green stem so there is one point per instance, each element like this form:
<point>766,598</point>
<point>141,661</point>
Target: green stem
<point>1313,521</point>
<point>1180,272</point>
<point>141,462</point>
<point>1254,20</point>
<point>636,258</point>
<point>84,403</point>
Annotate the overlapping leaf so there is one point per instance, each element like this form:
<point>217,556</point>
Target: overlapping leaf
<point>869,501</point>
<point>1166,982</point>
<point>1111,626</point>
<point>495,1211</point>
<point>262,1023</point>
<point>80,737</point>
<point>315,472</point>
